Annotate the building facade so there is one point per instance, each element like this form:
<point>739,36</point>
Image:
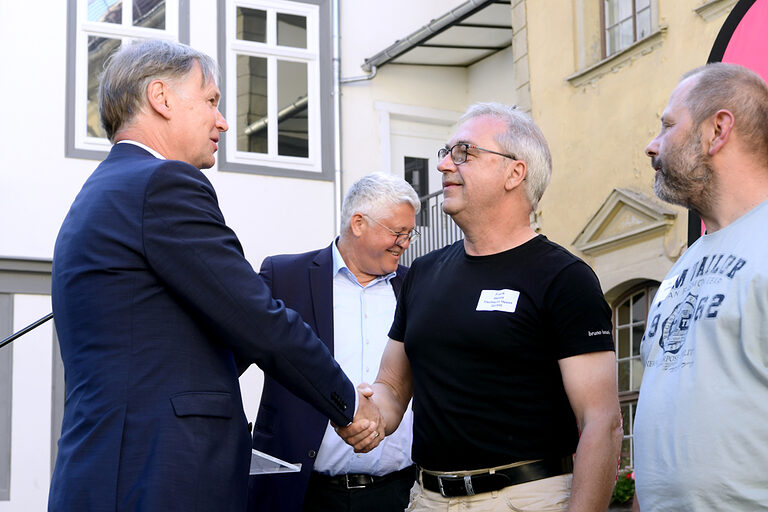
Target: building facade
<point>318,93</point>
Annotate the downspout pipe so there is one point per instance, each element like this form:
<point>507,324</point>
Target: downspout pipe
<point>336,115</point>
<point>360,78</point>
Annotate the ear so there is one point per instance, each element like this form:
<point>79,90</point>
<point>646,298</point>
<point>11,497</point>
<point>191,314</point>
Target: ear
<point>720,126</point>
<point>357,224</point>
<point>157,97</point>
<point>516,173</point>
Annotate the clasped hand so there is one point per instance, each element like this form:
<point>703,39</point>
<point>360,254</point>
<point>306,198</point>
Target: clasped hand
<point>367,428</point>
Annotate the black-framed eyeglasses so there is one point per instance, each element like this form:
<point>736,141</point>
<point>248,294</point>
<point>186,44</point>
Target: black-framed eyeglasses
<point>400,238</point>
<point>459,152</point>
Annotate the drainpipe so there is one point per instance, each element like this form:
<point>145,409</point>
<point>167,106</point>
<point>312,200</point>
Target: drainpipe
<point>336,116</point>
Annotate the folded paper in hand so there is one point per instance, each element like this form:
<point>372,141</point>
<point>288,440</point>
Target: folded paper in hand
<point>263,464</point>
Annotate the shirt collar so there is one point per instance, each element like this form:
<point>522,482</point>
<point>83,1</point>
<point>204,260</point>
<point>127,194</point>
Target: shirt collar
<point>144,147</point>
<point>340,266</point>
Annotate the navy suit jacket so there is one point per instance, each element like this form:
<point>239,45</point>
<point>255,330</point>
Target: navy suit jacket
<point>286,426</point>
<point>153,300</point>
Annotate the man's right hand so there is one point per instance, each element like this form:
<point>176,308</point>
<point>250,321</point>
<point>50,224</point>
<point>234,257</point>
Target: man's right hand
<point>367,428</point>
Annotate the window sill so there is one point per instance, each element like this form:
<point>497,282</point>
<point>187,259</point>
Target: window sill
<point>618,60</point>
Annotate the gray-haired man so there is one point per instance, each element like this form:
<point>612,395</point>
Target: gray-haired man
<point>153,300</point>
<point>347,293</point>
<point>504,341</point>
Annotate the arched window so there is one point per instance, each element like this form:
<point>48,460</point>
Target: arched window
<point>630,313</point>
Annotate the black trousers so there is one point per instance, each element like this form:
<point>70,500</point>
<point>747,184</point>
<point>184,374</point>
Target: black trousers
<point>388,496</point>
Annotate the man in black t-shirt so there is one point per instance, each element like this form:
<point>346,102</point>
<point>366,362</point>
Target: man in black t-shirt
<point>504,341</point>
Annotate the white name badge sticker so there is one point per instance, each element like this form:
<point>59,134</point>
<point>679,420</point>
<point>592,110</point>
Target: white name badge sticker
<point>498,300</point>
<point>664,288</point>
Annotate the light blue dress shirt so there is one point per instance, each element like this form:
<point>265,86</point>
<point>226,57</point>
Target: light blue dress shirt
<point>362,316</point>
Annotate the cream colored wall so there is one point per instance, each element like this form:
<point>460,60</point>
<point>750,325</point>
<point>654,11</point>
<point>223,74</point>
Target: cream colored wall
<point>598,131</point>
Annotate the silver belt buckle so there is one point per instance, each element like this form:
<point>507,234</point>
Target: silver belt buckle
<point>440,484</point>
<point>346,481</point>
<point>467,484</point>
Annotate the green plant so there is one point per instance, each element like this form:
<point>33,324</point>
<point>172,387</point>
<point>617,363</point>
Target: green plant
<point>624,490</point>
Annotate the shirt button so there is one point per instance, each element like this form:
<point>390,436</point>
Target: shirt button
<point>312,454</point>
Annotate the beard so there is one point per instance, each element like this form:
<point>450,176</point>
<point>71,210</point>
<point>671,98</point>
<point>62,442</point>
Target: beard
<point>684,175</point>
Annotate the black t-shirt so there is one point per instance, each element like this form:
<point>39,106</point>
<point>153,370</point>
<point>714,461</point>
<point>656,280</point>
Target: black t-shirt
<point>487,384</point>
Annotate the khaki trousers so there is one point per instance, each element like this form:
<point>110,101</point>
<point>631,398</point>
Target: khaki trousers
<point>546,495</point>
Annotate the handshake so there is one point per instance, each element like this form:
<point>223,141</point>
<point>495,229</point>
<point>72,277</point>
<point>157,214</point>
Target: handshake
<point>368,426</point>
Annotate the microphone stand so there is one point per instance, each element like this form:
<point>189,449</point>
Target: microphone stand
<point>25,330</point>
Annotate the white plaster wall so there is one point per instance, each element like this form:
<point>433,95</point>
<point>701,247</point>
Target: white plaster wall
<point>492,79</point>
<point>37,184</point>
<point>366,29</point>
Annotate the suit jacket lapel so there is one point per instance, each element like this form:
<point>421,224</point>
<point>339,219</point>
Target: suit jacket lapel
<point>321,287</point>
<point>397,280</point>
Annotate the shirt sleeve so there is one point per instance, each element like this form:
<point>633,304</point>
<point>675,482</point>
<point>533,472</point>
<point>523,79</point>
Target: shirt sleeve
<point>397,331</point>
<point>577,313</point>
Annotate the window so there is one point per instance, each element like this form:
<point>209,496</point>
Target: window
<point>416,171</point>
<point>100,27</point>
<point>624,23</point>
<point>272,89</point>
<point>629,318</point>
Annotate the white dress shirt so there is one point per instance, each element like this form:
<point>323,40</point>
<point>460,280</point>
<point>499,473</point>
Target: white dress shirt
<point>143,146</point>
<point>362,316</point>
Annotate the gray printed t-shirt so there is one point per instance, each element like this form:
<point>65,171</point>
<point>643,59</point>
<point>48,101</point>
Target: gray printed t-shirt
<point>701,429</point>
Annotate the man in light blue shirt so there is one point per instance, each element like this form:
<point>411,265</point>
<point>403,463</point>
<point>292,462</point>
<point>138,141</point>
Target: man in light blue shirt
<point>347,293</point>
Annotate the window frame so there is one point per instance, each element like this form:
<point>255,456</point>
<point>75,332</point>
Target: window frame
<point>629,397</point>
<point>319,164</point>
<point>604,28</point>
<point>6,395</point>
<point>24,276</point>
<point>77,143</point>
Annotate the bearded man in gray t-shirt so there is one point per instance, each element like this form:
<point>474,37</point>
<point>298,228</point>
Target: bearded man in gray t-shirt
<point>700,438</point>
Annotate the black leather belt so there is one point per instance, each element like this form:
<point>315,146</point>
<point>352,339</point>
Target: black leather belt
<point>361,480</point>
<point>450,485</point>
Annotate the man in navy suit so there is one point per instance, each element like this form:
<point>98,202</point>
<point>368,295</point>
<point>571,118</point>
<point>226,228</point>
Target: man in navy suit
<point>154,301</point>
<point>347,292</point>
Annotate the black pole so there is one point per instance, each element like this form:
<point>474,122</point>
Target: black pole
<point>25,330</point>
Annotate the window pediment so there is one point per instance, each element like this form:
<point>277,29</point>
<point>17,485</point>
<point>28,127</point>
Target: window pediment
<point>625,216</point>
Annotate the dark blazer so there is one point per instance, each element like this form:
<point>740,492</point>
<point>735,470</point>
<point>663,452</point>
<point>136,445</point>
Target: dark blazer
<point>153,299</point>
<point>286,426</point>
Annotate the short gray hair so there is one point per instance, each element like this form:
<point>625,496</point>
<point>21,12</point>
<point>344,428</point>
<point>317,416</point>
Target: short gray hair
<point>128,72</point>
<point>374,194</point>
<point>740,91</point>
<point>523,139</point>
